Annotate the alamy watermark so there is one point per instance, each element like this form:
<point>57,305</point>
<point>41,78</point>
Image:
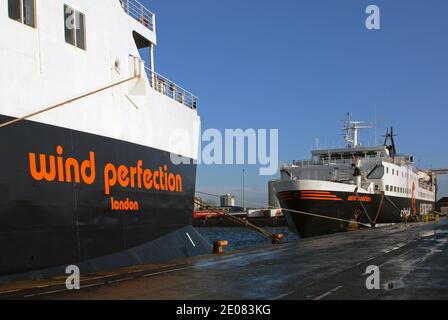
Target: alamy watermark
<point>373,280</point>
<point>373,21</point>
<point>73,281</point>
<point>232,147</point>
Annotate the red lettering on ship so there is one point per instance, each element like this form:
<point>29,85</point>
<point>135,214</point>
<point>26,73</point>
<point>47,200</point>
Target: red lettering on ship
<point>359,198</point>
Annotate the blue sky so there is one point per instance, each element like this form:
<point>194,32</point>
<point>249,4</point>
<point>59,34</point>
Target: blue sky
<point>300,65</point>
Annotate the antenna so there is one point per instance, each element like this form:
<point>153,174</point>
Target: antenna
<point>390,135</point>
<point>375,124</point>
<point>351,131</point>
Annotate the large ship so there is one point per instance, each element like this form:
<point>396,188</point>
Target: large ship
<point>355,184</point>
<point>98,151</point>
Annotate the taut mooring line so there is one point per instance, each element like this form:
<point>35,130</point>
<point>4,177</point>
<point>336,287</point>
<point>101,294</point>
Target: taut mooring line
<point>66,102</point>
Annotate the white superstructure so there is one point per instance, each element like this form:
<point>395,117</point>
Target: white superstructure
<point>365,170</point>
<point>50,64</point>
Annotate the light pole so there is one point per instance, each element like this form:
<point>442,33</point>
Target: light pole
<point>244,200</point>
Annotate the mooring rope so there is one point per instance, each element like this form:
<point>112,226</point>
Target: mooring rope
<point>362,204</point>
<point>67,102</point>
<point>246,223</point>
<point>398,209</point>
<point>299,212</point>
<point>379,208</point>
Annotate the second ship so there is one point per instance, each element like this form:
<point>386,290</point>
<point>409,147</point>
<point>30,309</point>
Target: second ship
<point>369,185</point>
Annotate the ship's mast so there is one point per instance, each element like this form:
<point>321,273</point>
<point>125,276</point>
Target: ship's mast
<point>351,131</point>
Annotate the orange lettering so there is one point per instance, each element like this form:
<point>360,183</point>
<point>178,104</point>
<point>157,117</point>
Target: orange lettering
<point>156,184</point>
<point>72,163</point>
<point>127,205</point>
<point>178,183</point>
<point>109,181</point>
<point>139,173</point>
<point>89,165</point>
<point>133,173</point>
<point>172,182</point>
<point>123,178</point>
<point>43,173</point>
<point>165,167</point>
<point>147,181</point>
<point>59,150</point>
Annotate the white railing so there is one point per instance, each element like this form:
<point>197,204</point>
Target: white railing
<point>172,90</point>
<point>339,161</point>
<point>139,12</point>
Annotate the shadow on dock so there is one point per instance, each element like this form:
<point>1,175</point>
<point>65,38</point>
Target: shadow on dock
<point>412,260</point>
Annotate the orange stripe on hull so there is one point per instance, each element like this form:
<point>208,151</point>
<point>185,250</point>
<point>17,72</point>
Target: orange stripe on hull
<point>315,191</point>
<point>320,198</point>
<point>319,195</point>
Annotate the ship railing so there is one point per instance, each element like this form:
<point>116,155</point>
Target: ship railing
<point>139,12</point>
<point>170,89</point>
<point>338,161</point>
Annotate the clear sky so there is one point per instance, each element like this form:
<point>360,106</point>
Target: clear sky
<point>300,65</point>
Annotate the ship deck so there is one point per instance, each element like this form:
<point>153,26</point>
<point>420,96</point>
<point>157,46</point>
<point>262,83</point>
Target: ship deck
<point>412,260</point>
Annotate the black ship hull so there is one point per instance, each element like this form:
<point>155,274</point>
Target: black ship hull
<point>343,207</point>
<point>69,197</point>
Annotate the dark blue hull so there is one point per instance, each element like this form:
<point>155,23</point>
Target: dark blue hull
<point>345,207</point>
<point>60,212</point>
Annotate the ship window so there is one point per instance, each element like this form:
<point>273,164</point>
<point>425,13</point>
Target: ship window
<point>387,187</point>
<point>376,173</point>
<point>22,11</point>
<point>387,170</point>
<point>74,27</point>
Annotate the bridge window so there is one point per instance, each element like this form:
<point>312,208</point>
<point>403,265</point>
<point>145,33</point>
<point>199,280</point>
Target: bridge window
<point>376,173</point>
<point>23,11</point>
<point>74,27</point>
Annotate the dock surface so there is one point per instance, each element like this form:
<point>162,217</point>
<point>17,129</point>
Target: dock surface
<point>412,259</point>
